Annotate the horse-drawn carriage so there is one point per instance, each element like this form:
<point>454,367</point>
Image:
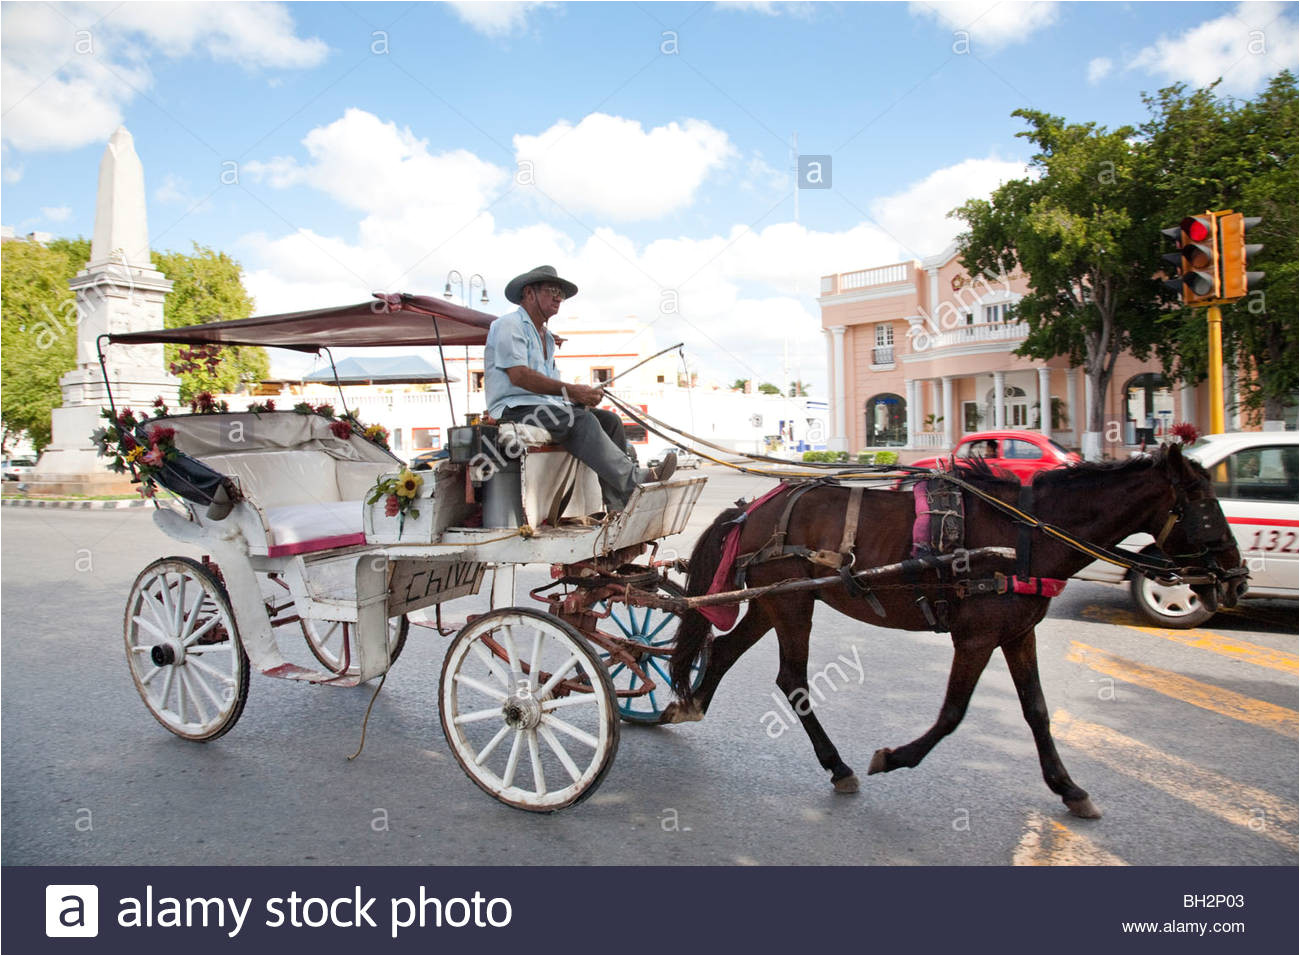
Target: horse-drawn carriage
<point>312,526</point>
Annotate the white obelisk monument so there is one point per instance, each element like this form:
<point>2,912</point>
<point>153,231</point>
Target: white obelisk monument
<point>118,291</point>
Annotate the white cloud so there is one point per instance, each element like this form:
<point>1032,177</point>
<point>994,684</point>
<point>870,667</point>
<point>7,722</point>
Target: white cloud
<point>737,297</point>
<point>68,72</point>
<point>12,173</point>
<point>793,8</point>
<point>990,24</point>
<point>1098,69</point>
<point>917,216</point>
<point>613,167</point>
<point>496,18</point>
<point>56,213</point>
<point>1244,47</point>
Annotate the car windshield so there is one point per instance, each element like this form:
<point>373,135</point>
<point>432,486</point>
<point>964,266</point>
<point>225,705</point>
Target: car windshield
<point>22,463</point>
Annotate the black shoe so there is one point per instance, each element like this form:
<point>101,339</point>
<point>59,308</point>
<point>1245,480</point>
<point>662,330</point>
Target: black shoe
<point>664,470</point>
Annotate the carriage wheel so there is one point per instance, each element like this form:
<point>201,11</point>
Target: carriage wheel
<point>658,631</point>
<point>325,639</point>
<point>528,709</point>
<point>184,650</point>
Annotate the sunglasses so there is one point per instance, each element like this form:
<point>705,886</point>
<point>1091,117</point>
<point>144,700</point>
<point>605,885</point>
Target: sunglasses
<point>552,290</point>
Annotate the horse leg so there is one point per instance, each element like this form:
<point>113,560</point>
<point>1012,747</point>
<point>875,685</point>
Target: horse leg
<point>969,658</point>
<point>793,624</point>
<point>1022,660</point>
<point>723,652</point>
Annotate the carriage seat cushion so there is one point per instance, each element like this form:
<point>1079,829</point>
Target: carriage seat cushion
<point>530,436</point>
<point>298,529</point>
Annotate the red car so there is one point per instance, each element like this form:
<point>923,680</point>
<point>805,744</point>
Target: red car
<point>1022,453</point>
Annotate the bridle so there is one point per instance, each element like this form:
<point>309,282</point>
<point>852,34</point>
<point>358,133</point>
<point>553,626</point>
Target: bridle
<point>1202,522</point>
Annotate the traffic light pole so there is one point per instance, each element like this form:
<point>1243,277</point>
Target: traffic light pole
<point>1215,359</point>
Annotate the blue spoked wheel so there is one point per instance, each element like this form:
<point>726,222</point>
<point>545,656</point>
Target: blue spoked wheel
<point>657,630</point>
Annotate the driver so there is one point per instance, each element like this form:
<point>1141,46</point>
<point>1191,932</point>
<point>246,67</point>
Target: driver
<point>523,385</point>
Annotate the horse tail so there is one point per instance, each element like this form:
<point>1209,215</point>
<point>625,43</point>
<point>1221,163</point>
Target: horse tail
<point>694,628</point>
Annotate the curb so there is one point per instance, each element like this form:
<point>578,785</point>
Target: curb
<point>65,503</point>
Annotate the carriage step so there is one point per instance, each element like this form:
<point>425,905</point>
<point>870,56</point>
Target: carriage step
<point>294,672</point>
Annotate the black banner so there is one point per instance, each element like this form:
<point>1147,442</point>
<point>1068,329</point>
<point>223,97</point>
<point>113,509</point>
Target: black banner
<point>649,910</point>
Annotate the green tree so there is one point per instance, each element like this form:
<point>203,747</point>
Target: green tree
<point>1080,230</point>
<point>38,332</point>
<point>798,390</point>
<point>1206,152</point>
<point>39,323</point>
<point>767,388</point>
<point>740,384</point>
<point>209,288</point>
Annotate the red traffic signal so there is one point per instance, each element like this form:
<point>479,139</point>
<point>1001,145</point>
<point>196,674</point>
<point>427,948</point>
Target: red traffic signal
<point>1196,262</point>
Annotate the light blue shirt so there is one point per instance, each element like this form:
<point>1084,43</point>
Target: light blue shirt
<point>513,340</point>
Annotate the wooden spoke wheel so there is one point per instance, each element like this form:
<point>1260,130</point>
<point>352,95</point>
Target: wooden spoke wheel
<point>657,631</point>
<point>328,640</point>
<point>184,650</point>
<point>528,709</point>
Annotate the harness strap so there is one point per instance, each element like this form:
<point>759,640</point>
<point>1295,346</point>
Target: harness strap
<point>1025,536</point>
<point>851,520</point>
<point>1164,532</point>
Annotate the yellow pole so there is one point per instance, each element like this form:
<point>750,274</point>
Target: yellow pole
<point>1216,370</point>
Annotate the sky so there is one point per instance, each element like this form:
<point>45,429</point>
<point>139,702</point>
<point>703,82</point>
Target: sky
<point>644,149</point>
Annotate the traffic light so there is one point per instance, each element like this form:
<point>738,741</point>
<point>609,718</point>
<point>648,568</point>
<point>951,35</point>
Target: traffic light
<point>1196,262</point>
<point>1235,255</point>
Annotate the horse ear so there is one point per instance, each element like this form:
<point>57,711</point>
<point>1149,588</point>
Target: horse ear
<point>1174,461</point>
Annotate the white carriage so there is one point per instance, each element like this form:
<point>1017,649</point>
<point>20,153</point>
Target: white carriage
<point>283,505</point>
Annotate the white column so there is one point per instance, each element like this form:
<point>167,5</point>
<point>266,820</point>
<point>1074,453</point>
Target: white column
<point>1187,403</point>
<point>999,400</point>
<point>1072,402</point>
<point>912,392</point>
<point>830,382</point>
<point>1045,400</point>
<point>934,296</point>
<point>945,409</point>
<point>839,440</point>
<point>1091,445</point>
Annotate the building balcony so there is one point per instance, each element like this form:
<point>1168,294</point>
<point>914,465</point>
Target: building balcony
<point>975,335</point>
<point>882,356</point>
<point>863,279</point>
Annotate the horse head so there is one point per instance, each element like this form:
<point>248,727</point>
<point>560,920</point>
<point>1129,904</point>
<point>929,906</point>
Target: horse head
<point>1190,529</point>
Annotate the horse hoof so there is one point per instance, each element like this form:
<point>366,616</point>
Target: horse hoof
<point>879,761</point>
<point>847,784</point>
<point>1084,808</point>
<point>679,713</point>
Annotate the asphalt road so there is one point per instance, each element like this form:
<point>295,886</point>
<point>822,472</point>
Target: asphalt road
<point>1186,740</point>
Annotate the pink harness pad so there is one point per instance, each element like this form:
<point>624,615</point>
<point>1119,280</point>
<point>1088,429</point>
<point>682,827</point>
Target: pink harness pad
<point>724,616</point>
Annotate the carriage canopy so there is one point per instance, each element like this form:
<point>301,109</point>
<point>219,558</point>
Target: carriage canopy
<point>389,319</point>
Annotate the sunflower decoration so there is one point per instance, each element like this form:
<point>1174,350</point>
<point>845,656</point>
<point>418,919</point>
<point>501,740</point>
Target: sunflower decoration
<point>133,442</point>
<point>400,493</point>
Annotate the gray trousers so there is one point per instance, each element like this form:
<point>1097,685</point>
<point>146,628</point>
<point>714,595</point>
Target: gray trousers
<point>591,435</point>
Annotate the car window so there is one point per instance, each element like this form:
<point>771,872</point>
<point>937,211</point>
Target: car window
<point>984,448</point>
<point>1019,448</point>
<point>1264,473</point>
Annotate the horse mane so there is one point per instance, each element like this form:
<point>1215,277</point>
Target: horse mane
<point>1076,476</point>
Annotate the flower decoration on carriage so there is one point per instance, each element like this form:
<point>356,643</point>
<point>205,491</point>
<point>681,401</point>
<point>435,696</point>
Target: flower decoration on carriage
<point>400,493</point>
<point>160,407</point>
<point>205,403</point>
<point>341,430</point>
<point>258,408</point>
<point>137,445</point>
<point>377,434</point>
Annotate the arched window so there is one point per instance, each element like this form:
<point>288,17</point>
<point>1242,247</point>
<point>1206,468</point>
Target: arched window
<point>1148,408</point>
<point>886,420</point>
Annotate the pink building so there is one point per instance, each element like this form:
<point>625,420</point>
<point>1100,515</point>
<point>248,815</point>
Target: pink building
<point>920,354</point>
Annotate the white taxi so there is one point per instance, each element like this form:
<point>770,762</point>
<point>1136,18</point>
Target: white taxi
<point>1255,480</point>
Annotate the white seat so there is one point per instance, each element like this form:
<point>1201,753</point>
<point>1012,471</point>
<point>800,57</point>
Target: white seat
<point>298,529</point>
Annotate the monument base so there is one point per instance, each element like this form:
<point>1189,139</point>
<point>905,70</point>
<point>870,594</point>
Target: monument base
<point>84,485</point>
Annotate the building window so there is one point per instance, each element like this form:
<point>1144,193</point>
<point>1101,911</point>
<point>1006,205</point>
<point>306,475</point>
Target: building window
<point>397,439</point>
<point>1002,312</point>
<point>886,420</point>
<point>660,379</point>
<point>476,381</point>
<point>426,439</point>
<point>883,353</point>
<point>1148,408</point>
<point>599,376</point>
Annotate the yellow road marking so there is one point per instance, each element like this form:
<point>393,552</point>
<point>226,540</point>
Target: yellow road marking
<point>1207,641</point>
<point>1237,803</point>
<point>1048,842</point>
<point>1280,720</point>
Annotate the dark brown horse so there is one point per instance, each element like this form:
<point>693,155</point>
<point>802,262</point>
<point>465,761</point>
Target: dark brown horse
<point>1165,495</point>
